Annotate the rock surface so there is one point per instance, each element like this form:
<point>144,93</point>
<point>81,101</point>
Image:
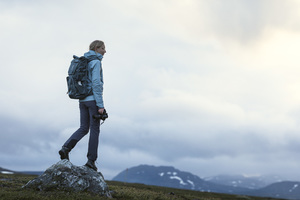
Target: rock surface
<point>68,177</point>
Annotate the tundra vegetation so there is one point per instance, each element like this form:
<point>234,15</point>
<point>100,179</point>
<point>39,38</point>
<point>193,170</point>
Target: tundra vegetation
<point>11,189</point>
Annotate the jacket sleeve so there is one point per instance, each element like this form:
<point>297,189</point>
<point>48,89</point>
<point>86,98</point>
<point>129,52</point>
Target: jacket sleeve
<point>97,83</point>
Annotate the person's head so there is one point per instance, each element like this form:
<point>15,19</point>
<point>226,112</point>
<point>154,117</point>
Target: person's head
<point>98,46</point>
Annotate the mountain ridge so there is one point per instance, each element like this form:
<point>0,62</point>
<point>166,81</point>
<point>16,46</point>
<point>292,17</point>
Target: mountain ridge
<point>8,171</point>
<point>167,176</point>
<point>251,182</point>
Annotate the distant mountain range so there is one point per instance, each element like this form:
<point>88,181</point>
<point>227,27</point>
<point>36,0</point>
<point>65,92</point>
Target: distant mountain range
<point>7,171</point>
<point>251,182</point>
<point>264,186</point>
<point>171,177</point>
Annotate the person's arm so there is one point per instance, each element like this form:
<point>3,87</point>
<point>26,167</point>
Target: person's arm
<point>97,85</point>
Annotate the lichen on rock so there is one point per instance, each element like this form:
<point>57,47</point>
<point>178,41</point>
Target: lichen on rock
<point>65,176</point>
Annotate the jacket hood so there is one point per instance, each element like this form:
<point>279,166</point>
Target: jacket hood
<point>92,55</point>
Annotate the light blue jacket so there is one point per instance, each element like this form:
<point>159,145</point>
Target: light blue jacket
<point>96,77</point>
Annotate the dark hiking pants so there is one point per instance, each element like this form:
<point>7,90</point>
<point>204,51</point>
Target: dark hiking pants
<point>87,110</point>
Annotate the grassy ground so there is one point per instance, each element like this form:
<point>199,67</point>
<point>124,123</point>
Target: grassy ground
<point>11,189</point>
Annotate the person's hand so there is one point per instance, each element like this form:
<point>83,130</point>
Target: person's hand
<point>101,110</point>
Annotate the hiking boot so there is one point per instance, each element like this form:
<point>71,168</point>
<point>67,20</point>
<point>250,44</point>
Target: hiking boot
<point>64,153</point>
<point>91,164</point>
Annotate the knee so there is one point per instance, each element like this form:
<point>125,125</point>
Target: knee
<point>95,129</point>
<point>84,130</point>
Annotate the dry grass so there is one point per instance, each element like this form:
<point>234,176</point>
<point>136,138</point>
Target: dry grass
<point>11,189</point>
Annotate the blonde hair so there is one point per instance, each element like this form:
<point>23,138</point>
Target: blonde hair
<point>96,44</point>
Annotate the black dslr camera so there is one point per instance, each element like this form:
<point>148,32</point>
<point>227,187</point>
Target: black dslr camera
<point>102,116</point>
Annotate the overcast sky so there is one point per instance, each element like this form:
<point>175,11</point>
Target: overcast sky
<point>209,87</point>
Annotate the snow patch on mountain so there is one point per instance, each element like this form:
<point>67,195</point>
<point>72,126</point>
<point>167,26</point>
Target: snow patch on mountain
<point>295,186</point>
<point>178,178</point>
<point>6,172</point>
<point>192,183</point>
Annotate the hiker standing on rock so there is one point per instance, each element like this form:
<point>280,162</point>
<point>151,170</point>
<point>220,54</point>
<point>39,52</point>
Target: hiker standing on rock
<point>90,106</point>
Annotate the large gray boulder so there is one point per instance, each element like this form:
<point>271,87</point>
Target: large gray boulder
<point>67,177</point>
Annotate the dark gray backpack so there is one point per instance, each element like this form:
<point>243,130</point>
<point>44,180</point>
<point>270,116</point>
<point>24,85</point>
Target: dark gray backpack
<point>78,78</point>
